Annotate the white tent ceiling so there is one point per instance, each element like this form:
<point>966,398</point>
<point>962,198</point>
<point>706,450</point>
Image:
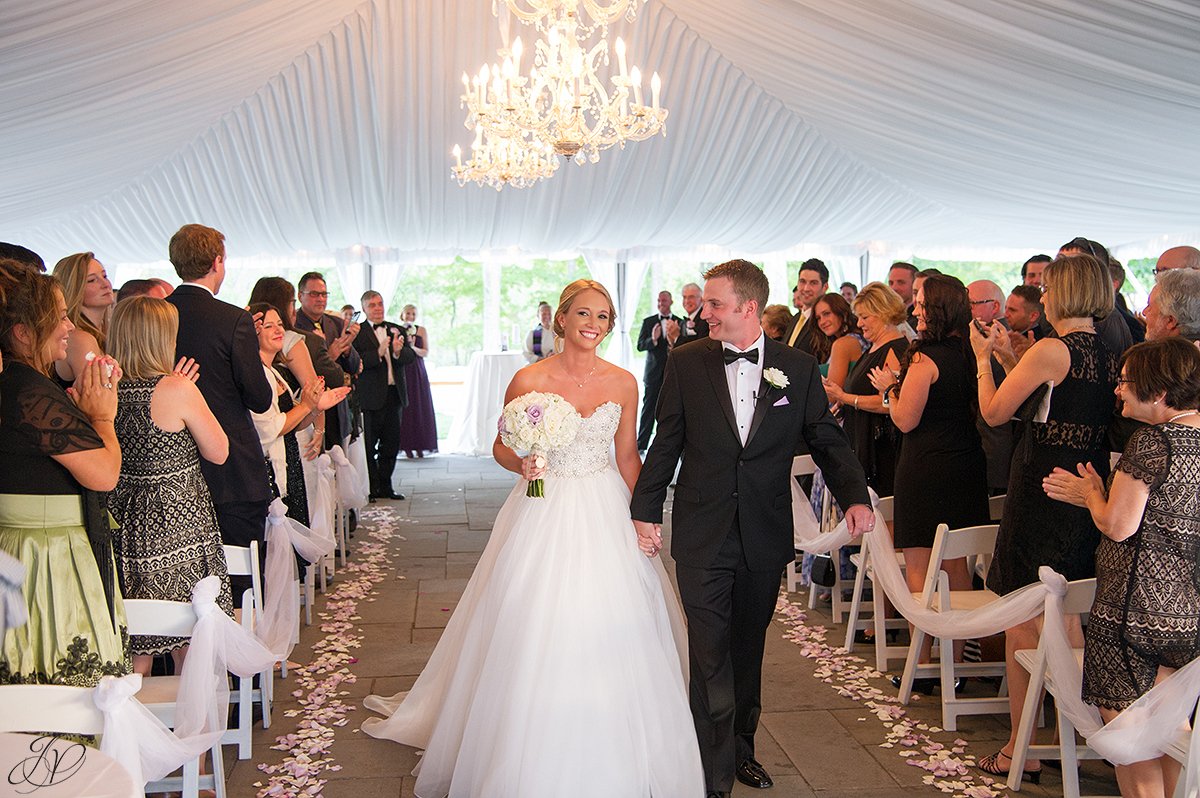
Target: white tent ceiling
<point>321,124</point>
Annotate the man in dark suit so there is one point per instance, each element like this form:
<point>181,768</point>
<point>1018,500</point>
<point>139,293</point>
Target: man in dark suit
<point>342,364</point>
<point>223,340</point>
<point>658,335</point>
<point>382,392</point>
<point>693,325</point>
<point>812,284</point>
<point>736,406</point>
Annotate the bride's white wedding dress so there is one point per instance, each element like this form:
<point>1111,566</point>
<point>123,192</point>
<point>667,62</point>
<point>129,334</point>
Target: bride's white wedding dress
<point>562,671</point>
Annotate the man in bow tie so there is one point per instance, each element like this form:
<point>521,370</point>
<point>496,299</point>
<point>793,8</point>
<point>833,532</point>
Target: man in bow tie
<point>735,406</point>
<point>659,333</point>
<point>382,392</point>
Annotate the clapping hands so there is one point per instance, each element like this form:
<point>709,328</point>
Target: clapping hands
<point>316,397</point>
<point>1061,485</point>
<point>883,378</point>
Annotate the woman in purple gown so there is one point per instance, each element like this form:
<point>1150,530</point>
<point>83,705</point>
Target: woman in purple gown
<point>418,426</point>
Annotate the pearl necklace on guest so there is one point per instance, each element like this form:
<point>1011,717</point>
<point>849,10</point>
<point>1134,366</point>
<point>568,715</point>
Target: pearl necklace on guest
<point>1184,414</point>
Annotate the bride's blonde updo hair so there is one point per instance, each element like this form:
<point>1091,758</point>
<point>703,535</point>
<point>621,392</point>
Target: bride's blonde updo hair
<point>568,296</point>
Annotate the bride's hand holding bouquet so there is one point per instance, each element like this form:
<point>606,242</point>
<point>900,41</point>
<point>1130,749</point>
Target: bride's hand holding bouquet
<point>535,424</point>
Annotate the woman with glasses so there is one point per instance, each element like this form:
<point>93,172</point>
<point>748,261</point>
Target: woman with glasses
<point>1062,426</point>
<point>1145,622</point>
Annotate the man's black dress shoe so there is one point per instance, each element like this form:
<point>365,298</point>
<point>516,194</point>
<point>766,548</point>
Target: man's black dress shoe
<point>391,494</point>
<point>930,685</point>
<point>752,774</point>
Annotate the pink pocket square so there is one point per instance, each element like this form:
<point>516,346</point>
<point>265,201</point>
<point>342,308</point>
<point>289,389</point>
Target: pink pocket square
<point>781,402</point>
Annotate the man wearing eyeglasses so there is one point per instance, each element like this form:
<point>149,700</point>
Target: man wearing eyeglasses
<point>342,363</point>
<point>987,301</point>
<point>1178,258</point>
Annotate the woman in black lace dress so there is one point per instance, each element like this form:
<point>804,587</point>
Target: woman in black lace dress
<point>58,451</point>
<point>168,538</point>
<point>1145,622</point>
<point>1036,530</point>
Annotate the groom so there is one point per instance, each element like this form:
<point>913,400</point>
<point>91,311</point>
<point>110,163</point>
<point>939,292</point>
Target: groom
<point>736,406</point>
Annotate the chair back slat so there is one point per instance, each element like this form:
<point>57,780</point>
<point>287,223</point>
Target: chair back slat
<point>996,507</point>
<point>974,542</point>
<point>1080,596</point>
<point>49,708</point>
<point>802,465</point>
<point>154,617</point>
<point>887,508</point>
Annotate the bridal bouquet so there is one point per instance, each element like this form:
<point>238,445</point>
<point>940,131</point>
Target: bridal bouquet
<point>537,423</point>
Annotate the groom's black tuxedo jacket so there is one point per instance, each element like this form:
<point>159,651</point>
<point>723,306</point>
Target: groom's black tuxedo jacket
<point>721,481</point>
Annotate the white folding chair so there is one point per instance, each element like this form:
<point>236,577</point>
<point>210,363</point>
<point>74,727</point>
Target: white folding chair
<point>802,465</point>
<point>975,543</point>
<point>159,693</point>
<point>884,652</point>
<point>996,507</point>
<point>243,561</point>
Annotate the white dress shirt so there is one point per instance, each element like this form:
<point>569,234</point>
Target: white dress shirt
<point>385,351</point>
<point>744,378</point>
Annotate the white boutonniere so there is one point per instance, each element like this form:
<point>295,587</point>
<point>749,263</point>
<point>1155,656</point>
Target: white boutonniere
<point>776,378</point>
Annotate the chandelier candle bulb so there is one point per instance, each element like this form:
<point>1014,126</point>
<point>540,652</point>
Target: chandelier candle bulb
<point>636,78</point>
<point>655,86</point>
<point>620,48</point>
<point>457,156</point>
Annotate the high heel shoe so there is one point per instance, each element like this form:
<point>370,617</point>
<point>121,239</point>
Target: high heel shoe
<point>991,764</point>
<point>928,686</point>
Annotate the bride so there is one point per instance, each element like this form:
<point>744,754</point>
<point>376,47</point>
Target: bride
<point>562,670</point>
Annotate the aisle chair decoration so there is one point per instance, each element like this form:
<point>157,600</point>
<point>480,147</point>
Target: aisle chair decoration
<point>322,508</point>
<point>280,627</point>
<point>356,453</point>
<point>351,494</point>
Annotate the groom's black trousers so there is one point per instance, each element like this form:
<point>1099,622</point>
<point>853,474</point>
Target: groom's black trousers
<point>728,608</point>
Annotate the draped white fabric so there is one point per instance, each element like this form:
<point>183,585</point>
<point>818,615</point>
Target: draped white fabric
<point>219,645</point>
<point>349,487</point>
<point>1143,731</point>
<point>321,502</point>
<point>13,612</point>
<point>305,125</point>
<point>356,453</point>
<point>281,614</point>
<point>140,742</point>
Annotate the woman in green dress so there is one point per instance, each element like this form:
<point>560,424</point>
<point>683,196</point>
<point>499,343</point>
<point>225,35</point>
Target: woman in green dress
<point>59,450</point>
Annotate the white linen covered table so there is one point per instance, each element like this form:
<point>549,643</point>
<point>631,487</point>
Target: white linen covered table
<point>488,375</point>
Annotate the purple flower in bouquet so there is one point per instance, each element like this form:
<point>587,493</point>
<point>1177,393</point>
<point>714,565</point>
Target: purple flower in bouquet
<point>501,427</point>
<point>534,412</point>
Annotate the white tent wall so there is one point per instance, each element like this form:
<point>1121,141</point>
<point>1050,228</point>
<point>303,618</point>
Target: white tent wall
<point>302,125</point>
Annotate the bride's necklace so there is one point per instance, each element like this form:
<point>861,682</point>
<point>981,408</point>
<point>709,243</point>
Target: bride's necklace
<point>576,380</point>
<point>1184,414</point>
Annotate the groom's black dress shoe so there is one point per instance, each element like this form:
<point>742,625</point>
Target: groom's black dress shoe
<point>752,774</point>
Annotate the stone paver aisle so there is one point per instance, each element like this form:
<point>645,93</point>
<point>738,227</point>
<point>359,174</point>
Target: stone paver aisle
<point>404,583</point>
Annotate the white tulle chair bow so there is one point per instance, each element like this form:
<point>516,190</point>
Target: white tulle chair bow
<point>350,486</point>
<point>13,612</point>
<point>281,616</point>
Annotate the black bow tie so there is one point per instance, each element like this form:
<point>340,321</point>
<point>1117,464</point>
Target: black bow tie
<point>380,324</point>
<point>732,356</point>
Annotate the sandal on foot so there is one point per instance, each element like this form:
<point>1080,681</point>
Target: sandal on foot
<point>991,764</point>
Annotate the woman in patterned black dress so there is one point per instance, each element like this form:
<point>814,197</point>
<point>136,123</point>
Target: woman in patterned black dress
<point>168,538</point>
<point>1145,622</point>
<point>1036,530</point>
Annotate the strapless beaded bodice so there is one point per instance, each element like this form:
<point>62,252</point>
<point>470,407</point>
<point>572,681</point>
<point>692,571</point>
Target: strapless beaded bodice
<point>588,453</point>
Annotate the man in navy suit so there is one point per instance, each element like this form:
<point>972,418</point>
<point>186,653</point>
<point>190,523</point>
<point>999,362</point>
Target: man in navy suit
<point>735,406</point>
<point>223,341</point>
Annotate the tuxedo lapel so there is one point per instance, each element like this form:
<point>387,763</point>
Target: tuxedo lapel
<point>764,396</point>
<point>714,363</point>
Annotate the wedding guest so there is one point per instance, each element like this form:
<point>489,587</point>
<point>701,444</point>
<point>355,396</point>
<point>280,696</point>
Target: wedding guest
<point>902,278</point>
<point>873,436</point>
<point>418,424</point>
<point>1173,308</point>
<point>987,305</point>
<point>339,339</point>
<point>1111,327</point>
<point>775,321</point>
<point>1178,258</point>
<point>1031,270</point>
<point>812,283</point>
<point>382,391</point>
<point>162,289</point>
<point>292,407</point>
<point>90,299</point>
<point>941,475</point>
<point>693,326</point>
<point>1137,328</point>
<point>849,292</point>
<point>59,449</point>
<point>1035,530</point>
<point>1023,312</point>
<point>659,333</point>
<point>840,342</point>
<point>168,538</point>
<point>347,314</point>
<point>1145,622</point>
<point>540,341</point>
<point>222,339</point>
<point>987,301</point>
<point>22,255</point>
<point>135,287</point>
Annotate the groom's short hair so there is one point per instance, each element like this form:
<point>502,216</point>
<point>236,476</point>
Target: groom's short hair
<point>748,280</point>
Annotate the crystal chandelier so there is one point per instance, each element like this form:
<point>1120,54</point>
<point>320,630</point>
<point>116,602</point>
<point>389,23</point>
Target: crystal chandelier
<point>563,104</point>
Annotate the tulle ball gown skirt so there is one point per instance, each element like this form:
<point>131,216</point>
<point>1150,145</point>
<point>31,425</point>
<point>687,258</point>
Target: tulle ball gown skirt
<point>562,670</point>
